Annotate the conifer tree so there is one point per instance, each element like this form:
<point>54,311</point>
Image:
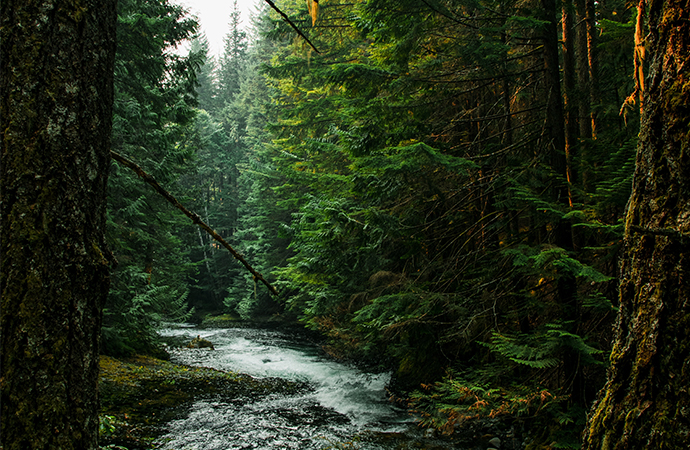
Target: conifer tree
<point>207,84</point>
<point>424,160</point>
<point>233,59</point>
<point>153,119</point>
<point>56,83</point>
<point>645,400</point>
<point>419,169</point>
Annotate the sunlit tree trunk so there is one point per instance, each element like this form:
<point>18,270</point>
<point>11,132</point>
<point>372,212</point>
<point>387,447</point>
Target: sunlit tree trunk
<point>592,64</point>
<point>56,77</point>
<point>569,96</point>
<point>646,401</point>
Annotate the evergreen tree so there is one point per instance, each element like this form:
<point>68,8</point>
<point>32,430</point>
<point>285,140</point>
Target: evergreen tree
<point>153,125</point>
<point>645,398</point>
<point>262,219</point>
<point>438,216</point>
<point>233,60</point>
<point>56,79</point>
<point>207,84</point>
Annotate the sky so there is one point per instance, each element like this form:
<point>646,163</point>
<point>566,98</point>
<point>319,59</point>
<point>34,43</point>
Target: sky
<point>214,16</point>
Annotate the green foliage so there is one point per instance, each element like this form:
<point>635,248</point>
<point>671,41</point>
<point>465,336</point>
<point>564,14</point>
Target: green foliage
<point>153,114</point>
<point>414,145</point>
<point>403,192</point>
<point>459,397</point>
<point>471,394</point>
<point>553,260</point>
<point>541,349</point>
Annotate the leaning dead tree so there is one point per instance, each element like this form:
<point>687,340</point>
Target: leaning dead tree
<point>195,217</point>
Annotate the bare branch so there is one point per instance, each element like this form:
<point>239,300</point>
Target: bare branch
<point>195,218</point>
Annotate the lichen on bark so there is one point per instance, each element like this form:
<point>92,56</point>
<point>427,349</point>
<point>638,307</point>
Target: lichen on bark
<point>54,276</point>
<point>645,403</point>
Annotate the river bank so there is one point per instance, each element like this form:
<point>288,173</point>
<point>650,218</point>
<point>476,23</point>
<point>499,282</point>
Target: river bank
<point>296,397</point>
<point>140,393</point>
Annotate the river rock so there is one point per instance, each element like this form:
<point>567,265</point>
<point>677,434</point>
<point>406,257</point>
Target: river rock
<point>495,442</point>
<point>199,342</point>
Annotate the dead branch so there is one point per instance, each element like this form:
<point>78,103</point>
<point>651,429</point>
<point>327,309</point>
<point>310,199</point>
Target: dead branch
<point>294,27</point>
<point>195,218</point>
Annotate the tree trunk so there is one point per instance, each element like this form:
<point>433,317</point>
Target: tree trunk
<point>583,70</point>
<point>646,400</point>
<point>569,97</point>
<point>56,77</point>
<point>554,125</point>
<point>593,65</point>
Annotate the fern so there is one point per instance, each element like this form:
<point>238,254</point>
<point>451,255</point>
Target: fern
<point>542,349</point>
<point>528,350</point>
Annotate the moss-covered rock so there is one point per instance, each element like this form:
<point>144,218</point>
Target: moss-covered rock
<point>138,394</point>
<point>199,342</point>
<point>220,321</point>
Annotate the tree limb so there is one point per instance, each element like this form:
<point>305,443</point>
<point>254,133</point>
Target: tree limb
<point>294,27</point>
<point>195,218</point>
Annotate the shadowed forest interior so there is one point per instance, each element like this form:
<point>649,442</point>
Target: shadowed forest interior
<point>436,188</point>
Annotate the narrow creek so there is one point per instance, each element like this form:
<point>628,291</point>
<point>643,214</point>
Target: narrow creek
<point>338,407</point>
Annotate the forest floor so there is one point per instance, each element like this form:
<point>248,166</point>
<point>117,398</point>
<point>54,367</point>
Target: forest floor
<point>141,393</point>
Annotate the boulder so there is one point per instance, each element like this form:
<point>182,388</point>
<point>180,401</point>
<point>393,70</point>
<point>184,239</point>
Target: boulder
<point>199,342</point>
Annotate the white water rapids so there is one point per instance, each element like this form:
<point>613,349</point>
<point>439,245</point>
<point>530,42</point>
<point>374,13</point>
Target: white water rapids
<point>341,406</point>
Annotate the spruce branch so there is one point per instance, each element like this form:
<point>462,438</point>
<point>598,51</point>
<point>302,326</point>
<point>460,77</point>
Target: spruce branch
<point>195,217</point>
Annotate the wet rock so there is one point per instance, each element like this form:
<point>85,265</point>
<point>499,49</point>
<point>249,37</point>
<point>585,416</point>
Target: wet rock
<point>495,442</point>
<point>199,342</point>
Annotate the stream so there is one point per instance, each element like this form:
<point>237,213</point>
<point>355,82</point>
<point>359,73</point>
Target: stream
<point>339,406</point>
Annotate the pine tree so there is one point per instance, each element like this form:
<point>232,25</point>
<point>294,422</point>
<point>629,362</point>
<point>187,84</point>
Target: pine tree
<point>261,219</point>
<point>207,85</point>
<point>233,59</point>
<point>418,168</point>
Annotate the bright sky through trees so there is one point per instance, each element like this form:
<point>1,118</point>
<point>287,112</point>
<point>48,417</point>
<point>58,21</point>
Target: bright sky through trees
<point>214,16</point>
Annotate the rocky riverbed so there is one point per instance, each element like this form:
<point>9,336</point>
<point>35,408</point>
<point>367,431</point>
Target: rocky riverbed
<point>141,393</point>
<point>295,398</point>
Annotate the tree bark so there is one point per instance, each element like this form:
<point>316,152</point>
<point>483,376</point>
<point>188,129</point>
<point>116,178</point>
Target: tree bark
<point>646,400</point>
<point>56,78</point>
<point>569,98</point>
<point>582,36</point>
<point>593,65</point>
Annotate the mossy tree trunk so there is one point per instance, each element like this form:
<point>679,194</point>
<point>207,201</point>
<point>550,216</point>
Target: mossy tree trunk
<point>646,401</point>
<point>56,78</point>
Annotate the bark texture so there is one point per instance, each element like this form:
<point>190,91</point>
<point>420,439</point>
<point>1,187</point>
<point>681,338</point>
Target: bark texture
<point>646,402</point>
<point>56,77</point>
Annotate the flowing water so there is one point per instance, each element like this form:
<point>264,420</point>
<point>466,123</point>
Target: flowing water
<point>339,406</point>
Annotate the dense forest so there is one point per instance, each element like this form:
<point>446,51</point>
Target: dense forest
<point>406,189</point>
<point>439,188</point>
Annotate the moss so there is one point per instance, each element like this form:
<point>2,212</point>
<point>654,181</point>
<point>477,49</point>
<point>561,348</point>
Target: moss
<point>138,394</point>
<point>220,321</point>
